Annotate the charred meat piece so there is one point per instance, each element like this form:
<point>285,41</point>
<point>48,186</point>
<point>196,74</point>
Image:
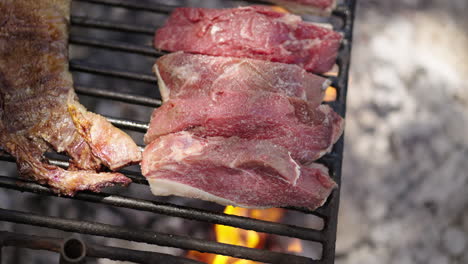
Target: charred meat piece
<point>250,174</point>
<point>39,110</point>
<point>184,75</point>
<point>315,7</point>
<point>256,32</point>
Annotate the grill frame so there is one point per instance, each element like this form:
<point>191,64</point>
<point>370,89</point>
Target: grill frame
<point>328,212</point>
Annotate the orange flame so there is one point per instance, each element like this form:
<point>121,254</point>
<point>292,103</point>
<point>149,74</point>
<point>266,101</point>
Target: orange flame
<point>330,94</point>
<point>241,237</point>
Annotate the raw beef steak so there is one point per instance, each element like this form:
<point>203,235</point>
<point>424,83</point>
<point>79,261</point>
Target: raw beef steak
<point>184,75</point>
<point>186,165</point>
<point>250,32</point>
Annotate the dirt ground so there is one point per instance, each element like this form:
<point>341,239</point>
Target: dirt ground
<point>405,171</point>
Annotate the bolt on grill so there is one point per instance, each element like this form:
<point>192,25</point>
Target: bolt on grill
<point>328,212</point>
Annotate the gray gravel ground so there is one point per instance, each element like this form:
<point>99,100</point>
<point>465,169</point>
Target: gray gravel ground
<point>406,172</point>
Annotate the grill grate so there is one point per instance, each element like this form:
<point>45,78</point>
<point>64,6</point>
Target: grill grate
<point>91,250</point>
<point>333,161</point>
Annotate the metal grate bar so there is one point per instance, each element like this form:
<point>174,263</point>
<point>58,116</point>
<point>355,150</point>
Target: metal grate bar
<point>103,24</point>
<point>127,98</point>
<point>113,45</point>
<point>151,237</point>
<point>128,124</point>
<point>135,5</point>
<point>90,68</point>
<point>330,228</point>
<point>9,239</point>
<point>136,177</point>
<point>121,123</point>
<point>174,210</point>
<point>59,163</point>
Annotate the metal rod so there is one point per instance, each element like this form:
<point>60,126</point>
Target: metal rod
<point>135,5</point>
<point>143,257</point>
<point>59,163</point>
<point>330,228</point>
<point>151,237</point>
<point>103,24</point>
<point>136,177</point>
<point>113,45</point>
<point>122,97</point>
<point>92,250</point>
<point>90,68</point>
<point>174,210</point>
<point>128,124</point>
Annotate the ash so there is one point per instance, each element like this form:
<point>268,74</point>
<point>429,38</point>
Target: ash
<point>404,196</point>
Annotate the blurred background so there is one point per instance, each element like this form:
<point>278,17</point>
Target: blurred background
<point>404,191</point>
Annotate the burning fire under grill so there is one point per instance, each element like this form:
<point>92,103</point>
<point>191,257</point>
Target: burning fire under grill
<point>245,238</point>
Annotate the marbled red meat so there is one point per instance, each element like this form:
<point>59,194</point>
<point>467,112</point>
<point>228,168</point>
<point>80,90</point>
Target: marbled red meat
<point>186,165</point>
<point>39,110</point>
<point>184,75</point>
<point>256,32</point>
<point>307,132</point>
<point>233,152</point>
<point>316,7</point>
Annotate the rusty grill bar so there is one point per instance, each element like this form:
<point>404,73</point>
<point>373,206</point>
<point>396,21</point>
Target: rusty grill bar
<point>328,212</point>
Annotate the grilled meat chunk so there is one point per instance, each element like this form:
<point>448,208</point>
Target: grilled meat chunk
<point>39,110</point>
<point>256,32</point>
